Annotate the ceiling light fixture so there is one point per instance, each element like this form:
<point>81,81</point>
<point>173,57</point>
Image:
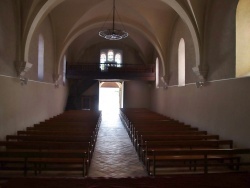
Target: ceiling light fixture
<point>113,34</point>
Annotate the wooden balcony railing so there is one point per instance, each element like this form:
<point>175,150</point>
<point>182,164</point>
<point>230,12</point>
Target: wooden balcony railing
<point>112,70</point>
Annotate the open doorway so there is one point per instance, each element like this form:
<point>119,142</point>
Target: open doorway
<point>110,96</point>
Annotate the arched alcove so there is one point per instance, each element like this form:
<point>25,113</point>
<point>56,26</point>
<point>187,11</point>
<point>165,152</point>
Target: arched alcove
<point>40,57</point>
<point>181,63</point>
<point>157,72</point>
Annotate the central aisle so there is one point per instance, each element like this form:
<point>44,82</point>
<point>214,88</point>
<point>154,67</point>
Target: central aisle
<point>114,154</point>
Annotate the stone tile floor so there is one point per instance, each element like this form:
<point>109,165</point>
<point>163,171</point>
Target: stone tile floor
<point>114,154</point>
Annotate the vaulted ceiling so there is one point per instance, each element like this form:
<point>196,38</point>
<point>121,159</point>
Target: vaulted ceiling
<point>76,24</point>
<point>142,20</point>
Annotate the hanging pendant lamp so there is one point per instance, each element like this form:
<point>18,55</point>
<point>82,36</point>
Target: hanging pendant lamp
<point>113,34</point>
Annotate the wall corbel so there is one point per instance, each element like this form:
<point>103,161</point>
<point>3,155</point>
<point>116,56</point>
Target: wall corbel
<point>164,80</point>
<point>201,74</point>
<point>22,68</point>
<point>56,79</point>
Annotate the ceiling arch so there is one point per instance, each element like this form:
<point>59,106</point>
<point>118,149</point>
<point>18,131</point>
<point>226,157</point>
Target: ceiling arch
<point>193,30</point>
<point>139,19</point>
<point>43,12</point>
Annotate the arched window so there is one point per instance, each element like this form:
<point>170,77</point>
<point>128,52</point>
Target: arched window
<point>110,55</point>
<point>64,69</point>
<point>181,63</point>
<point>103,59</point>
<point>157,73</point>
<point>118,59</point>
<point>243,38</point>
<point>40,57</point>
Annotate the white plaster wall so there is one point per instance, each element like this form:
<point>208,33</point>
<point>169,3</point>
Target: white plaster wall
<point>22,106</point>
<point>136,94</point>
<point>220,39</point>
<point>7,38</point>
<point>221,108</point>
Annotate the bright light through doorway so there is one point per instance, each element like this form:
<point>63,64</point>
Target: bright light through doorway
<point>109,99</point>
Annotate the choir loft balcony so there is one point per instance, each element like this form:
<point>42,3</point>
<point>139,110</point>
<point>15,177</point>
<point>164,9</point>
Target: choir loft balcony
<point>111,71</point>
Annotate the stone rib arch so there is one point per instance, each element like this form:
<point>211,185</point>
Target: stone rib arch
<point>39,17</point>
<point>195,36</point>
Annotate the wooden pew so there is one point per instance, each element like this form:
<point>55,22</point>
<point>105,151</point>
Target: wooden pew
<point>145,115</point>
<point>44,128</point>
<point>60,133</point>
<point>153,122</point>
<point>177,137</point>
<point>64,129</point>
<point>204,158</point>
<point>152,126</point>
<point>131,116</point>
<point>183,144</point>
<point>67,124</point>
<point>67,132</point>
<point>72,118</point>
<point>138,134</point>
<point>174,138</point>
<point>145,126</point>
<point>67,139</point>
<point>50,138</point>
<point>56,132</point>
<point>160,128</point>
<point>38,161</point>
<point>76,116</point>
<point>43,145</point>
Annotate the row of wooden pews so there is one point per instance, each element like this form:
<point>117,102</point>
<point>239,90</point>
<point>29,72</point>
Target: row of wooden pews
<point>63,143</point>
<point>166,146</point>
